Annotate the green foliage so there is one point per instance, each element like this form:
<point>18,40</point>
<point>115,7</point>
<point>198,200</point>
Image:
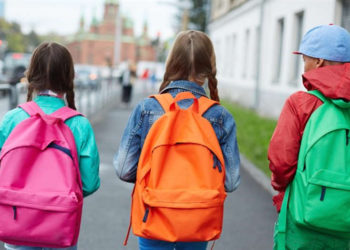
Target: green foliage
<point>11,32</point>
<point>53,37</point>
<point>16,40</point>
<point>253,134</point>
<point>32,40</point>
<point>198,14</point>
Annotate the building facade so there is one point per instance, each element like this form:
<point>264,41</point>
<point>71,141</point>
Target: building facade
<point>110,41</point>
<point>254,41</point>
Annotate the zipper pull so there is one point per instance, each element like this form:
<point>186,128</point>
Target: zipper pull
<point>323,192</point>
<point>219,166</point>
<point>214,162</point>
<point>14,212</point>
<point>146,215</point>
<point>217,163</point>
<point>347,137</point>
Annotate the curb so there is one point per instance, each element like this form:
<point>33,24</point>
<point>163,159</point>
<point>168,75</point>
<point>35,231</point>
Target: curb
<point>258,175</point>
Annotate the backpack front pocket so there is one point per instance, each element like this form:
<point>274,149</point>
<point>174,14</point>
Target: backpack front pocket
<point>327,202</point>
<point>182,215</point>
<point>39,218</point>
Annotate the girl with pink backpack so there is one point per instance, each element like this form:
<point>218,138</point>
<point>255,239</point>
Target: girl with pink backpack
<point>49,159</point>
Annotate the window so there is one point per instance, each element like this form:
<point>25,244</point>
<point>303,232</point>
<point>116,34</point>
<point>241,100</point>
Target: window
<point>298,32</point>
<point>279,49</point>
<point>246,54</point>
<point>345,20</point>
<point>227,56</point>
<point>233,55</point>
<point>255,62</point>
<point>219,61</point>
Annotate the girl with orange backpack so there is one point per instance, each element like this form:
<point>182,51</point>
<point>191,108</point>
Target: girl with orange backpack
<point>55,161</point>
<point>180,150</point>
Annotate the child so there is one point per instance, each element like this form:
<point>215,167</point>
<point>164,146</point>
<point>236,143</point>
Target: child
<point>128,80</point>
<point>326,51</point>
<point>190,63</point>
<point>50,77</point>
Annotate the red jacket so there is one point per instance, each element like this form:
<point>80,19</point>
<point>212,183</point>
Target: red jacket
<point>334,83</point>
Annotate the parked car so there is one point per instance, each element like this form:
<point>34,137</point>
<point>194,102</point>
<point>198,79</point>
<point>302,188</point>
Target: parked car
<point>87,77</point>
<point>14,66</point>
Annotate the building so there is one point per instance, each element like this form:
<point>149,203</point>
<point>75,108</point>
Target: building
<point>110,41</point>
<point>254,41</point>
<point>2,8</point>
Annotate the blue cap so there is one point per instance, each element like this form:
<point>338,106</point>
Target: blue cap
<point>329,42</point>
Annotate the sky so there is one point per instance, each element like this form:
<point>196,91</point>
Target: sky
<point>62,16</point>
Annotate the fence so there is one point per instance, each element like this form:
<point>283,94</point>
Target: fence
<point>88,100</point>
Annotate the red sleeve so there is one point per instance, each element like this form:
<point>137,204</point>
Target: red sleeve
<point>285,142</point>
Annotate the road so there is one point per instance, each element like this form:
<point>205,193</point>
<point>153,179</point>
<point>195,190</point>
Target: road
<point>249,215</point>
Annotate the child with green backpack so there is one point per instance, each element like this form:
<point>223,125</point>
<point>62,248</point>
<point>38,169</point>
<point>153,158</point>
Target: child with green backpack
<point>309,152</point>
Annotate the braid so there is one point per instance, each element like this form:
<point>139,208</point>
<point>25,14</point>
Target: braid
<point>70,99</point>
<point>213,83</point>
<point>30,93</point>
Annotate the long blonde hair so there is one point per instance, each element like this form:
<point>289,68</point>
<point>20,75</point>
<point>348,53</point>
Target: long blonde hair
<point>192,57</point>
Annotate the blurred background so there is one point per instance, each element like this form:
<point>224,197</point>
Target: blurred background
<point>253,39</point>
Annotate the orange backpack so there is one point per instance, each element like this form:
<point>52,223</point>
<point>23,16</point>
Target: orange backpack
<point>179,190</point>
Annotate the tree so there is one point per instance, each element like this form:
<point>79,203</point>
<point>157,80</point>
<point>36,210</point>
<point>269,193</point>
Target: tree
<point>32,40</point>
<point>53,37</point>
<point>11,32</point>
<point>198,13</point>
<point>15,42</point>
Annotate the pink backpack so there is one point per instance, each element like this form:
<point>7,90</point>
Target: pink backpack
<point>41,194</point>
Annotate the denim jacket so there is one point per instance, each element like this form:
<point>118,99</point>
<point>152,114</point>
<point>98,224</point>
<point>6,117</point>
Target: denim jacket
<point>149,110</point>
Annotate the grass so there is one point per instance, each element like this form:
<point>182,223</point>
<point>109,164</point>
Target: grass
<point>253,134</point>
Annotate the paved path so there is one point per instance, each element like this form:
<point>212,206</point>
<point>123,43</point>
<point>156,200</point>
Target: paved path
<point>248,220</point>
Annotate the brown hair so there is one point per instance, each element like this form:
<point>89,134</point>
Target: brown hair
<point>51,67</point>
<point>192,58</point>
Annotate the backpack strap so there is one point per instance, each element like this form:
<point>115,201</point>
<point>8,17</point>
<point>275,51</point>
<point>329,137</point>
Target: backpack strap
<point>31,108</point>
<point>282,221</point>
<point>319,95</point>
<point>165,100</point>
<point>65,113</point>
<point>205,103</point>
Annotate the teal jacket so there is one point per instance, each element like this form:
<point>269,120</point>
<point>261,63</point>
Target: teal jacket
<point>88,156</point>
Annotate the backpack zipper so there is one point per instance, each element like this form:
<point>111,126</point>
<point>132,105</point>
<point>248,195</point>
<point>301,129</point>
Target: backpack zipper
<point>216,163</point>
<point>14,212</point>
<point>62,149</point>
<point>146,215</point>
<point>347,136</point>
<point>323,192</point>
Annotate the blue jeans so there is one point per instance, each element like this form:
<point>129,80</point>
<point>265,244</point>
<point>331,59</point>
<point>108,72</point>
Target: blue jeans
<point>15,247</point>
<point>147,244</point>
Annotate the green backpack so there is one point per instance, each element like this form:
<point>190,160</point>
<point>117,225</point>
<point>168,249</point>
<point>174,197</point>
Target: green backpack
<point>319,196</point>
